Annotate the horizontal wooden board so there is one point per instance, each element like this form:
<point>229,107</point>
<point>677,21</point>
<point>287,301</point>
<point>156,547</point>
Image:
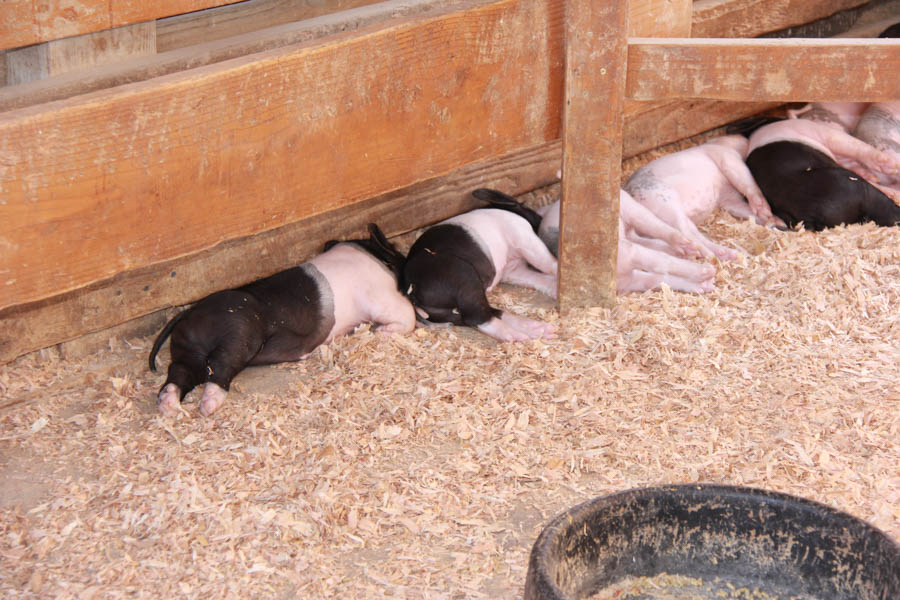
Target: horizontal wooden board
<point>28,22</point>
<point>207,53</point>
<point>750,18</point>
<point>117,180</point>
<point>659,18</point>
<point>80,52</point>
<point>207,48</point>
<point>773,70</point>
<point>195,28</point>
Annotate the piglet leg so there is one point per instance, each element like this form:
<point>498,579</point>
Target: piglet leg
<point>512,328</point>
<point>638,218</point>
<point>635,256</point>
<point>394,315</point>
<point>169,400</point>
<point>522,274</point>
<point>668,207</point>
<point>738,175</point>
<point>212,399</point>
<point>641,281</point>
<point>845,145</point>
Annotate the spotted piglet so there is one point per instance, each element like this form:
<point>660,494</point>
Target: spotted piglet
<point>814,172</point>
<point>684,188</point>
<point>282,318</point>
<point>452,266</point>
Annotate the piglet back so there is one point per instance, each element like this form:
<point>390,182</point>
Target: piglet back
<point>504,202</point>
<point>378,246</point>
<point>891,32</point>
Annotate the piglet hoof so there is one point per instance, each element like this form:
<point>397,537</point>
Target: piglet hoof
<point>528,328</point>
<point>212,399</point>
<point>888,164</point>
<point>688,249</point>
<point>168,400</point>
<point>723,253</point>
<point>397,327</point>
<point>708,271</point>
<point>499,330</point>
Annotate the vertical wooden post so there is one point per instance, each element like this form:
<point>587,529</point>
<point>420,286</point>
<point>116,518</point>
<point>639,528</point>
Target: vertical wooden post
<point>596,50</point>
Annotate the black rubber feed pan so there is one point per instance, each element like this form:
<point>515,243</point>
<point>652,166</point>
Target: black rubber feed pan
<point>698,542</point>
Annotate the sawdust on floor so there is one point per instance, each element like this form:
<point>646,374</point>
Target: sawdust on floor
<point>423,466</point>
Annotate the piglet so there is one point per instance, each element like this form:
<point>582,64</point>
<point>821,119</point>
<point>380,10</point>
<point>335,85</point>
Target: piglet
<point>648,250</point>
<point>684,188</point>
<point>453,264</point>
<point>814,172</point>
<point>282,318</point>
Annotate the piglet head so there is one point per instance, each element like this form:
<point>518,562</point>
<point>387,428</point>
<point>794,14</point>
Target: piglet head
<point>431,309</point>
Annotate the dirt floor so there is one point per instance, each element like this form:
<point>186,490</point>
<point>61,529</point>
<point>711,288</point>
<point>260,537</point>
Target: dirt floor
<point>424,466</point>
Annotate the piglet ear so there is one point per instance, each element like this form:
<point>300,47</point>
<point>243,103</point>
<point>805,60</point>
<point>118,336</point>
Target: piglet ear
<point>494,197</point>
<point>746,127</point>
<point>378,236</point>
<point>380,240</point>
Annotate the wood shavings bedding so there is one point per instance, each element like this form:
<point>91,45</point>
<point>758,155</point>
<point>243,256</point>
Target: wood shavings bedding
<point>424,466</point>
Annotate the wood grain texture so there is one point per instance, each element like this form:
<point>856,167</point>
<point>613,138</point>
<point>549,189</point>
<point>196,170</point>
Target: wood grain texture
<point>592,152</point>
<point>205,31</point>
<point>80,52</point>
<point>25,22</point>
<point>764,70</point>
<point>659,18</point>
<point>122,179</point>
<point>749,18</point>
<point>135,293</point>
<point>236,19</point>
<point>171,61</point>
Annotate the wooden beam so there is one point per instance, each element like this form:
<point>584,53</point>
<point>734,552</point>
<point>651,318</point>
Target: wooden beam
<point>764,70</point>
<point>659,18</point>
<point>132,294</point>
<point>645,16</point>
<point>29,22</point>
<point>76,53</point>
<point>66,85</point>
<point>649,125</point>
<point>750,18</point>
<point>199,27</point>
<point>592,151</point>
<point>122,179</point>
